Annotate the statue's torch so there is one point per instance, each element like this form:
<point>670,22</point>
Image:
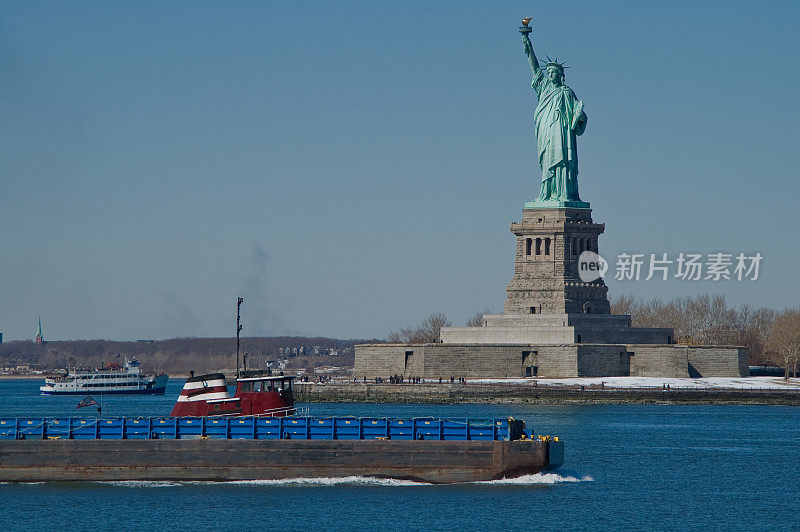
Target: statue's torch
<point>525,29</point>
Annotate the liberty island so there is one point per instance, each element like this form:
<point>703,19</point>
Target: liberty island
<point>554,323</point>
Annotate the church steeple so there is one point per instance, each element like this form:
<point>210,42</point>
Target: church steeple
<point>39,337</point>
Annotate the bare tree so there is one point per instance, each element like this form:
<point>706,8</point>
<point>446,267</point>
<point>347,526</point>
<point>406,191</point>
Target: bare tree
<point>395,337</point>
<point>425,332</point>
<point>704,320</point>
<point>622,304</point>
<point>477,319</point>
<point>433,325</point>
<point>784,339</point>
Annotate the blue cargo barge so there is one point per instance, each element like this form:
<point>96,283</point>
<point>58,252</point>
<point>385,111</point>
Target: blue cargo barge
<point>252,448</point>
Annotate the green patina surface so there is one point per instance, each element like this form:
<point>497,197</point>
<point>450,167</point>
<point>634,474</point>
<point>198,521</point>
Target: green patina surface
<point>559,119</point>
<point>556,204</point>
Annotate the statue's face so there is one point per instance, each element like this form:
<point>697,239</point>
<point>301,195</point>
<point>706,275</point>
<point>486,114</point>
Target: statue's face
<point>555,76</point>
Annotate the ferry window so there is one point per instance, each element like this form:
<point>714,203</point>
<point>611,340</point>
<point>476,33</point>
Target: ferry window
<point>257,386</point>
<point>247,386</point>
<point>289,385</point>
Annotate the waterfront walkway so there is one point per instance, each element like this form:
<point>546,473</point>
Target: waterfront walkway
<point>752,390</point>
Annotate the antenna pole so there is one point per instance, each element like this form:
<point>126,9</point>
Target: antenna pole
<point>238,329</point>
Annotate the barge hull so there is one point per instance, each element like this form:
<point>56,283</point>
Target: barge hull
<point>231,460</point>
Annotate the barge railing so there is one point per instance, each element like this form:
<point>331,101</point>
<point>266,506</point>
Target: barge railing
<point>260,428</point>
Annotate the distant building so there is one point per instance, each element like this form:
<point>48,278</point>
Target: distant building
<point>39,337</point>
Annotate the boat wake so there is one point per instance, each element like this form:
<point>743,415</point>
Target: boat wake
<point>541,478</point>
<point>141,483</point>
<point>334,481</point>
<point>536,479</point>
<point>319,481</point>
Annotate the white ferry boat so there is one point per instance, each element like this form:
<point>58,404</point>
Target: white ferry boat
<point>114,378</point>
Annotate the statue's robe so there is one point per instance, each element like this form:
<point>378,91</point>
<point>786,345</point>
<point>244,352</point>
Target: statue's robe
<point>555,138</point>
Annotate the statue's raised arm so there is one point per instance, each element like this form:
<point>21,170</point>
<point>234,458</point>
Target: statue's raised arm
<point>526,42</point>
<point>528,47</point>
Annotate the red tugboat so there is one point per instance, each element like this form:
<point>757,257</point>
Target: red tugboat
<point>257,394</point>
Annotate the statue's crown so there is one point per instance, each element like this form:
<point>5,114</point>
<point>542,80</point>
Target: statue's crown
<point>554,63</point>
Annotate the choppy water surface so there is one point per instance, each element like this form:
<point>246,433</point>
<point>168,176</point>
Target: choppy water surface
<point>627,467</point>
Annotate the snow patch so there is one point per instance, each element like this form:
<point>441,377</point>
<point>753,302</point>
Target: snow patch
<point>737,383</point>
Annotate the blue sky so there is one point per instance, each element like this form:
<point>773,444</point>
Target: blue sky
<point>350,167</point>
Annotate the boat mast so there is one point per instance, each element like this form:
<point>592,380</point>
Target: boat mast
<point>238,329</point>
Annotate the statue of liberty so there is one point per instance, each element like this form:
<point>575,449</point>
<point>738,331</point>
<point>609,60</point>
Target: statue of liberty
<point>559,119</point>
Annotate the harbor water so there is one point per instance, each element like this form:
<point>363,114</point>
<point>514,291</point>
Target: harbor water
<point>627,467</point>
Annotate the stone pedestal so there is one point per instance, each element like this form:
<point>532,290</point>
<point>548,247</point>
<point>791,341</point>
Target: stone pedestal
<point>553,324</point>
<point>546,281</point>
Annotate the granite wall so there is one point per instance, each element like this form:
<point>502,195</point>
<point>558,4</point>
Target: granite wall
<point>433,361</point>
